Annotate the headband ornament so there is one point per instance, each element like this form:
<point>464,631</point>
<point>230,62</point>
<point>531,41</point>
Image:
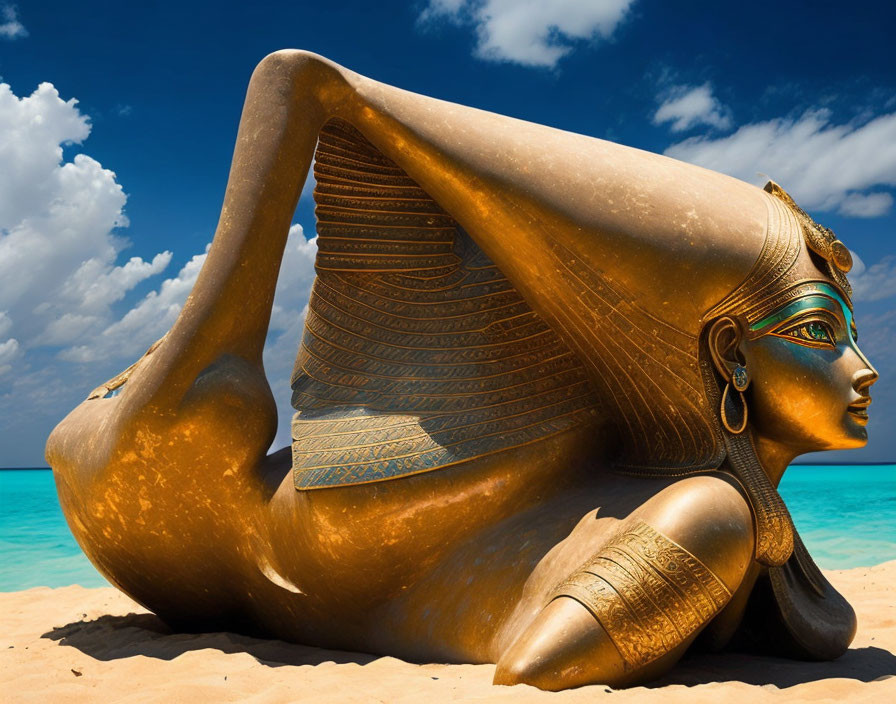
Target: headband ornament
<point>820,240</point>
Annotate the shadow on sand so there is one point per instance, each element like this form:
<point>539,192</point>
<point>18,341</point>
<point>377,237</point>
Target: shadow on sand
<point>116,637</point>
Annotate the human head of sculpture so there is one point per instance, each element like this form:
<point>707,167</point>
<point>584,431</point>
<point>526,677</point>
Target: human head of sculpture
<point>808,380</point>
<point>796,354</point>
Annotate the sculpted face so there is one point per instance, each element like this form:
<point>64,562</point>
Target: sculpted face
<point>810,381</point>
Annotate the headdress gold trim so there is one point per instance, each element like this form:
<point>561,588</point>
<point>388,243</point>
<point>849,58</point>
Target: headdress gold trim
<point>820,240</point>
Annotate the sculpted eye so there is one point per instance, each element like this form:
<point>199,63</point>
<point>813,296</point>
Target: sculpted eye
<point>815,333</point>
<point>855,333</point>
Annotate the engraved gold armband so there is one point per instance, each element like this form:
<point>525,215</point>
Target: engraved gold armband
<point>647,592</point>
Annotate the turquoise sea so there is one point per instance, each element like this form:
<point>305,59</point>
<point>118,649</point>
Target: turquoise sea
<point>846,515</point>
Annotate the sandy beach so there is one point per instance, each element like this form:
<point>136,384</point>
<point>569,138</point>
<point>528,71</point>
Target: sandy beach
<point>96,645</point>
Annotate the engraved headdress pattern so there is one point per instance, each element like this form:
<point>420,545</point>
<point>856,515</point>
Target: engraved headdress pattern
<point>419,353</point>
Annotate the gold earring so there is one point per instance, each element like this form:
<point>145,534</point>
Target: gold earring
<point>743,425</point>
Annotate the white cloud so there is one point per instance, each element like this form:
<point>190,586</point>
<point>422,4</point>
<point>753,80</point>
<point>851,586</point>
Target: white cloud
<point>875,282</point>
<point>530,32</point>
<point>296,277</point>
<point>58,225</point>
<point>869,205</point>
<point>876,334</point>
<point>10,27</point>
<point>67,327</point>
<point>9,349</point>
<point>689,106</point>
<point>824,166</point>
<point>95,285</point>
<point>146,322</point>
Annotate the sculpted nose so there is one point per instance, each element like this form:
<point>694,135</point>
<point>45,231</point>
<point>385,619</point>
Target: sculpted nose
<point>864,378</point>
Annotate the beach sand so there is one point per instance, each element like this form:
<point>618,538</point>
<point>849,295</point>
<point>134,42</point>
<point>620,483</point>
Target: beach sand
<point>96,645</point>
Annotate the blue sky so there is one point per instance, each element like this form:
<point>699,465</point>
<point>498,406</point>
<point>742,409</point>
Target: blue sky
<point>107,204</point>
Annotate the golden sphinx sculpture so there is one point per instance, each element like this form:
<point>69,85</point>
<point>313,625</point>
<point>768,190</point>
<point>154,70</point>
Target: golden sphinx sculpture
<point>547,387</point>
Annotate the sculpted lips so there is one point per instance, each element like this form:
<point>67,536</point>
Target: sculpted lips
<point>859,409</point>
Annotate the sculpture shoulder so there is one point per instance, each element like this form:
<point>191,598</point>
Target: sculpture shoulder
<point>229,399</point>
<point>710,517</point>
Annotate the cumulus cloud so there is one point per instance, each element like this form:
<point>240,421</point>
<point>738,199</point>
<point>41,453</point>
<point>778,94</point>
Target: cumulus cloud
<point>10,27</point>
<point>688,106</point>
<point>146,322</point>
<point>9,347</point>
<point>876,334</point>
<point>529,32</point>
<point>58,225</point>
<point>866,205</point>
<point>825,166</point>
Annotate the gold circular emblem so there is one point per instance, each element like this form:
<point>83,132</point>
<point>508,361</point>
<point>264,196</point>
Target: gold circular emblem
<point>840,256</point>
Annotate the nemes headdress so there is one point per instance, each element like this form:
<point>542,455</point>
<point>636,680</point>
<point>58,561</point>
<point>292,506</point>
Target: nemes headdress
<point>486,283</point>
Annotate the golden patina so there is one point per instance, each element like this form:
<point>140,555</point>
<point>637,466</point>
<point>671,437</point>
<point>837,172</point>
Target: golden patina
<point>521,344</point>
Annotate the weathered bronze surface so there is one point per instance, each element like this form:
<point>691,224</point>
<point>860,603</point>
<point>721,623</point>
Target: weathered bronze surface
<point>531,359</point>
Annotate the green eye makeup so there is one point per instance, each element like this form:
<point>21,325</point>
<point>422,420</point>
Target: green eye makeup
<point>813,320</point>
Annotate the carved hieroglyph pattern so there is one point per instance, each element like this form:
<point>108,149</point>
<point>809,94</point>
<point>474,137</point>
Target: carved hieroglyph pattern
<point>417,352</point>
<point>774,526</point>
<point>647,592</point>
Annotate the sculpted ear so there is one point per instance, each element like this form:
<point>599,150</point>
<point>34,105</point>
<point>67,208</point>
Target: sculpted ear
<point>724,341</point>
